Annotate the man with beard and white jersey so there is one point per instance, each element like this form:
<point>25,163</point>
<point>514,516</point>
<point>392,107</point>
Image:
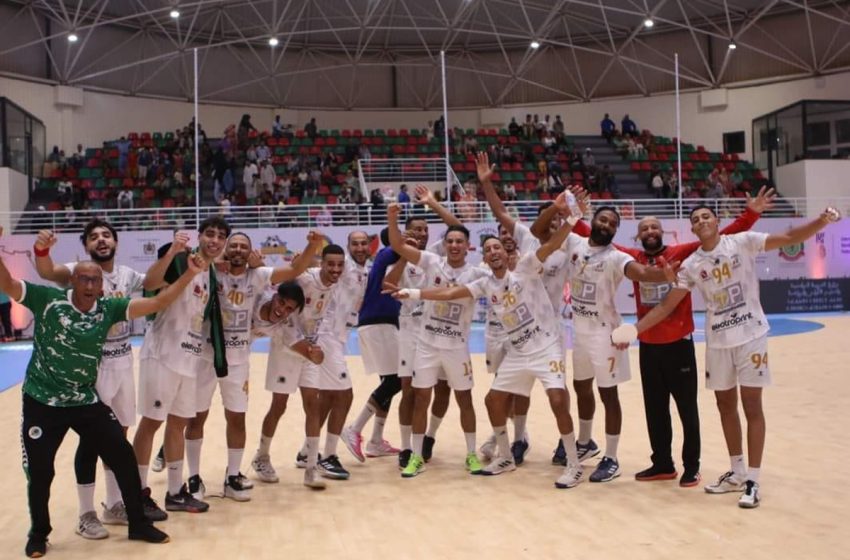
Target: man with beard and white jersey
<point>724,270</point>
<point>279,318</point>
<point>239,288</point>
<point>115,385</point>
<point>443,340</point>
<point>595,269</point>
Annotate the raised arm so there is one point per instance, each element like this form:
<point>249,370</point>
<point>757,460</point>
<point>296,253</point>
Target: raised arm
<point>801,233</point>
<point>426,197</point>
<point>10,286</point>
<point>485,174</point>
<point>301,262</point>
<point>405,251</point>
<point>556,240</point>
<point>139,307</point>
<point>541,224</point>
<point>44,265</point>
<point>155,276</point>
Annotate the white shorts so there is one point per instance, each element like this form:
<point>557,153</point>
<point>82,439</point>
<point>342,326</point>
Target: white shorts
<point>234,388</point>
<point>517,372</point>
<point>595,357</point>
<point>379,348</point>
<point>163,391</point>
<point>332,373</point>
<point>494,352</point>
<point>745,365</point>
<point>407,343</point>
<point>116,387</point>
<point>431,362</point>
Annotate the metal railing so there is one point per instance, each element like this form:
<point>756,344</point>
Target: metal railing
<point>375,172</point>
<point>319,216</point>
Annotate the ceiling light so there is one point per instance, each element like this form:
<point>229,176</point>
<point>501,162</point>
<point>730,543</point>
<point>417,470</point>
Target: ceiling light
<point>72,38</point>
<point>174,14</point>
<point>535,45</point>
<point>732,45</point>
<point>648,23</point>
<point>273,41</point>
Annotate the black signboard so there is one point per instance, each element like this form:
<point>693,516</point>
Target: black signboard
<point>805,295</point>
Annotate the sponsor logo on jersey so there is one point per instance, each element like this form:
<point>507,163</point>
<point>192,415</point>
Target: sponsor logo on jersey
<point>118,351</point>
<point>526,335</point>
<point>235,342</point>
<point>582,311</point>
<point>733,321</point>
<point>445,330</point>
<point>193,348</point>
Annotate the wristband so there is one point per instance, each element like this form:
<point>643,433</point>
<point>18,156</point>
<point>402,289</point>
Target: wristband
<point>573,220</point>
<point>411,293</point>
<point>40,252</point>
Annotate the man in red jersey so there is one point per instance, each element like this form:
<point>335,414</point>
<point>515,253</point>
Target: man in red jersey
<point>667,358</point>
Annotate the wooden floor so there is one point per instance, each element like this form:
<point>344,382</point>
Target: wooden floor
<point>445,513</point>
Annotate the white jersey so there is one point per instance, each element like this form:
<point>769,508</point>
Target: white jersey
<point>519,304</point>
<point>179,336</point>
<point>317,298</point>
<point>123,281</point>
<point>446,324</point>
<point>353,282</point>
<point>238,297</point>
<point>727,278</point>
<point>595,273</point>
<point>555,271</point>
<point>282,334</point>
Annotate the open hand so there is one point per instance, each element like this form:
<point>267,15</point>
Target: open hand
<point>762,201</point>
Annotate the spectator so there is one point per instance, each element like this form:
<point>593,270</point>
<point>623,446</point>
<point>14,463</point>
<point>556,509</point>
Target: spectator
<point>263,152</point>
<point>547,124</point>
<point>636,149</point>
<point>439,127</point>
<point>628,126</point>
<point>588,160</point>
<point>144,162</point>
<point>224,206</point>
<point>657,184</point>
<point>311,129</point>
<point>429,131</point>
<point>6,318</point>
<point>277,127</point>
<point>735,179</point>
<point>251,154</point>
<point>125,199</point>
<point>123,146</point>
<point>54,155</point>
<point>513,128</point>
<point>470,144</point>
<point>248,172</point>
<point>528,127</point>
<point>403,196</point>
<point>376,199</point>
<point>539,126</point>
<point>79,157</point>
<point>267,176</point>
<point>549,143</point>
<point>608,128</point>
<point>244,130</point>
<point>510,192</point>
<point>558,128</point>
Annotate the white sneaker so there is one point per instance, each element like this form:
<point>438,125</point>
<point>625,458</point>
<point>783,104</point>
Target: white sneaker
<point>750,497</point>
<point>488,448</point>
<point>383,449</point>
<point>90,527</point>
<point>499,465</point>
<point>571,476</point>
<point>197,487</point>
<point>158,463</point>
<point>262,465</point>
<point>312,479</point>
<point>116,515</point>
<point>234,490</point>
<point>246,482</point>
<point>728,482</point>
<point>354,442</point>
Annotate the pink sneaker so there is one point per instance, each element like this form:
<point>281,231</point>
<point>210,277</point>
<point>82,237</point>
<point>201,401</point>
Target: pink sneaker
<point>383,449</point>
<point>354,442</point>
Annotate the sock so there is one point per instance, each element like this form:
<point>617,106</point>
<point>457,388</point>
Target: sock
<point>585,430</point>
<point>364,416</point>
<point>378,429</point>
<point>304,447</point>
<point>406,432</point>
<point>143,474</point>
<point>193,456</point>
<point>519,426</point>
<point>330,444</point>
<point>753,474</point>
<point>569,441</point>
<point>738,465</point>
<point>470,442</point>
<point>417,443</point>
<point>234,461</point>
<point>175,477</point>
<point>503,441</point>
<point>113,493</point>
<point>433,425</point>
<point>611,443</point>
<point>85,494</point>
<point>265,445</point>
<point>311,450</point>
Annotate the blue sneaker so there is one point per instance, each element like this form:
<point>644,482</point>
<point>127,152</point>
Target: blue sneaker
<point>519,449</point>
<point>587,450</point>
<point>607,469</point>
<point>559,456</point>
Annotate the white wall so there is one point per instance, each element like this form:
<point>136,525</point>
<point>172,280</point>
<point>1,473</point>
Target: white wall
<point>816,179</point>
<point>13,195</point>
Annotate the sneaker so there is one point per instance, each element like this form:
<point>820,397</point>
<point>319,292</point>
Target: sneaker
<point>262,465</point>
<point>158,462</point>
<point>415,466</point>
<point>571,477</point>
<point>184,501</point>
<point>473,465</point>
<point>488,448</point>
<point>728,482</point>
<point>750,497</point>
<point>234,489</point>
<point>428,448</point>
<point>196,487</point>
<point>404,458</point>
<point>116,515</point>
<point>499,465</point>
<point>246,482</point>
<point>312,480</point>
<point>332,468</point>
<point>148,533</point>
<point>607,469</point>
<point>90,527</point>
<point>519,449</point>
<point>36,547</point>
<point>559,456</point>
<point>301,460</point>
<point>152,510</point>
<point>586,450</point>
<point>689,479</point>
<point>354,442</point>
<point>383,449</point>
<point>655,473</point>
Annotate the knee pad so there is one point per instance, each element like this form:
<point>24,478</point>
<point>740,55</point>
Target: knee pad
<point>389,387</point>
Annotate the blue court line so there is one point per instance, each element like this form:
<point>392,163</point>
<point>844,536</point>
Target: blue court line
<point>15,356</point>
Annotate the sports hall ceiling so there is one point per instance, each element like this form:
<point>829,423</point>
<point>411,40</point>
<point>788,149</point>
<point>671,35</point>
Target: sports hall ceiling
<point>386,53</point>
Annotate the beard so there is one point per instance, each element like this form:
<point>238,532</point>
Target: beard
<point>102,259</point>
<point>651,244</point>
<point>601,238</point>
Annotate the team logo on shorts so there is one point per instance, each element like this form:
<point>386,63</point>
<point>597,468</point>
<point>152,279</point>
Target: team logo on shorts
<point>157,404</point>
<point>35,432</point>
<point>281,379</point>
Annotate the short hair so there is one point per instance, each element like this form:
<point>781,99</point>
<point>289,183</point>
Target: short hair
<point>291,290</point>
<point>544,206</point>
<point>385,237</point>
<point>411,219</point>
<point>333,250</point>
<point>243,234</point>
<point>357,231</point>
<point>459,228</point>
<point>701,207</point>
<point>486,238</point>
<point>94,224</point>
<point>216,222</point>
<point>608,209</point>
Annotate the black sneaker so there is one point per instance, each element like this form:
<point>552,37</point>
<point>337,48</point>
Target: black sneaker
<point>586,450</point>
<point>196,487</point>
<point>148,533</point>
<point>559,456</point>
<point>36,546</point>
<point>403,458</point>
<point>656,473</point>
<point>332,468</point>
<point>428,448</point>
<point>184,501</point>
<point>152,510</point>
<point>689,479</point>
<point>519,449</point>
